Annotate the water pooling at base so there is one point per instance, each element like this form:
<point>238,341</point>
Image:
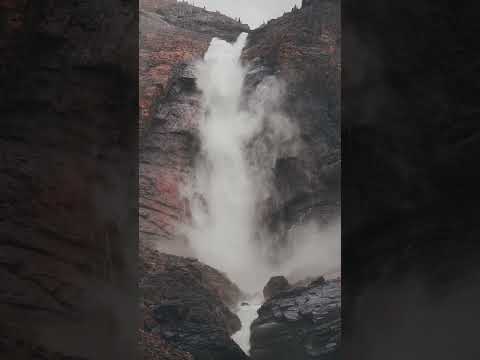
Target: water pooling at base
<point>247,313</point>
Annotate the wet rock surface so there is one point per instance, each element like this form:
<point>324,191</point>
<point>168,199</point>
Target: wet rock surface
<point>167,156</point>
<point>173,33</point>
<point>185,304</point>
<point>302,48</point>
<point>275,285</point>
<point>301,323</point>
<point>172,37</point>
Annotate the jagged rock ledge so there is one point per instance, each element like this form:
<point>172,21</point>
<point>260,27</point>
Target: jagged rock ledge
<point>185,307</point>
<point>300,323</point>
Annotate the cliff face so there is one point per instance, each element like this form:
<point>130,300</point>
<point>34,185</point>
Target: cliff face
<point>184,304</point>
<point>201,21</point>
<point>162,47</point>
<point>303,49</point>
<point>172,36</point>
<point>173,33</point>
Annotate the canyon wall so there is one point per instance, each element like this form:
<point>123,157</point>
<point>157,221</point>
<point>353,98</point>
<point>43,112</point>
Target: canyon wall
<point>172,36</point>
<point>303,49</point>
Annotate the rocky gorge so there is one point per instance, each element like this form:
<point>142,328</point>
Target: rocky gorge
<point>187,314</point>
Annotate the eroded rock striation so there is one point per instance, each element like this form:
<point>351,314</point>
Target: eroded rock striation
<point>186,305</point>
<point>300,323</point>
<point>303,49</point>
<point>173,33</point>
<point>172,37</point>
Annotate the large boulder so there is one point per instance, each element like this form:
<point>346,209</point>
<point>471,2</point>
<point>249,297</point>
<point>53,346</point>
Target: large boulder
<point>186,305</point>
<point>275,285</point>
<point>301,323</point>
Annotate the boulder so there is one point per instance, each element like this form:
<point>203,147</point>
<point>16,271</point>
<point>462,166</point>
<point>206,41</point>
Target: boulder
<point>186,306</point>
<point>300,323</point>
<point>275,285</point>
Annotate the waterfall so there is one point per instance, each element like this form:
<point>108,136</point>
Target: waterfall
<point>224,193</point>
<point>242,134</point>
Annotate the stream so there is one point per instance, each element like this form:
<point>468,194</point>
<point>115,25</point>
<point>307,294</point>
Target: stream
<point>247,312</point>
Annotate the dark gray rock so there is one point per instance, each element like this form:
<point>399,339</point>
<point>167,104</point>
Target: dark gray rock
<point>186,305</point>
<point>275,285</point>
<point>301,323</point>
<point>302,49</point>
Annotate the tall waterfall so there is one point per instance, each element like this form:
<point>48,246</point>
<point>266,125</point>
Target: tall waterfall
<point>242,135</point>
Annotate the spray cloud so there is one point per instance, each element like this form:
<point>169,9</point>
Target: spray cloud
<point>242,136</point>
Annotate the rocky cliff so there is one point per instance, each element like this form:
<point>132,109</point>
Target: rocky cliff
<point>303,49</point>
<point>172,36</point>
<point>300,48</point>
<point>299,323</point>
<point>186,309</point>
<point>173,33</point>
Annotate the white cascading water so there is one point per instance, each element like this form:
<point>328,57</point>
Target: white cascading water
<point>224,193</point>
<point>229,183</point>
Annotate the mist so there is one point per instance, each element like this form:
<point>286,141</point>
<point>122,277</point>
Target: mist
<point>242,135</point>
<point>314,250</point>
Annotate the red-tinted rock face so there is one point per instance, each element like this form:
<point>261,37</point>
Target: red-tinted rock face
<point>162,47</point>
<point>173,33</point>
<point>166,158</point>
<point>169,108</point>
